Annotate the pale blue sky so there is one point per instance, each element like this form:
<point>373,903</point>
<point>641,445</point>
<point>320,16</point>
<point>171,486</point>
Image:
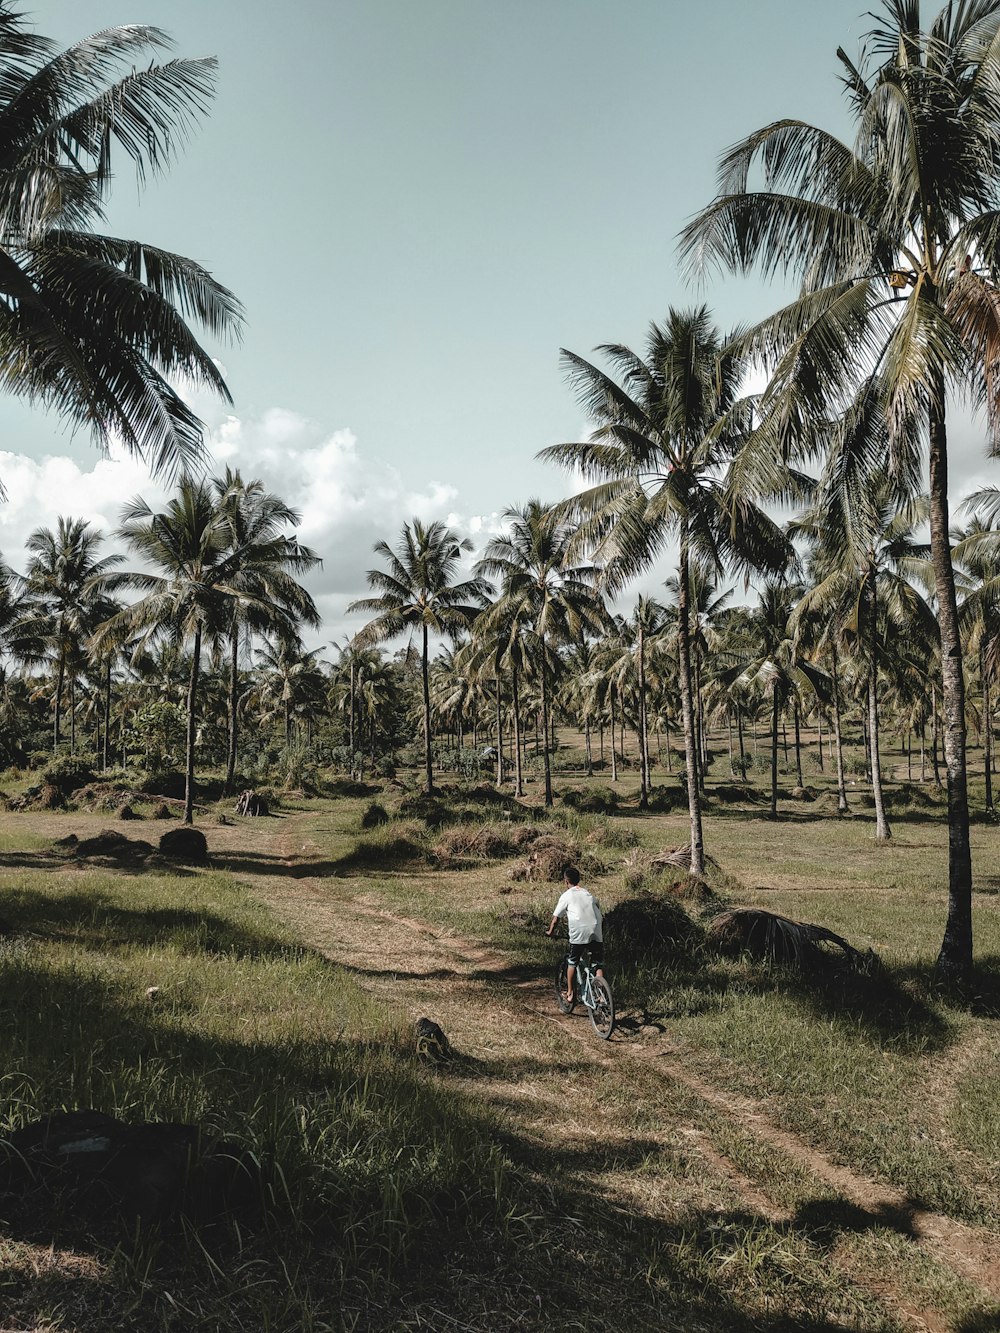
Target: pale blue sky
<point>420,201</point>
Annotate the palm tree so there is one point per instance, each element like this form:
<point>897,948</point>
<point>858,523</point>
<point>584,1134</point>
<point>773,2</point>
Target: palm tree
<point>62,602</point>
<point>543,598</point>
<point>977,553</point>
<point>418,590</point>
<point>896,245</point>
<point>659,457</point>
<point>191,600</point>
<point>263,562</point>
<point>864,554</point>
<point>94,326</point>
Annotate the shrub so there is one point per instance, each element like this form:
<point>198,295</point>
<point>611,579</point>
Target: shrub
<point>67,773</point>
<point>373,815</point>
<point>592,801</point>
<point>649,926</point>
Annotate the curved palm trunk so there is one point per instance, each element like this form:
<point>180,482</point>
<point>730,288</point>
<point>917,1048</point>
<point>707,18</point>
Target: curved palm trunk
<point>234,640</point>
<point>687,707</point>
<point>189,745</point>
<point>955,958</point>
<point>838,745</point>
<point>425,681</point>
<point>643,727</point>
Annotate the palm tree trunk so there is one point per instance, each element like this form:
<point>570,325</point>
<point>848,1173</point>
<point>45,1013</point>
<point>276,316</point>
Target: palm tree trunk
<point>954,961</point>
<point>838,744</point>
<point>882,831</point>
<point>739,737</point>
<point>775,708</point>
<point>499,733</point>
<point>798,744</point>
<point>687,706</point>
<point>107,715</point>
<point>590,749</point>
<point>699,715</point>
<point>614,752</point>
<point>72,714</point>
<point>987,730</point>
<point>643,727</point>
<point>425,681</point>
<point>60,684</point>
<point>189,744</point>
<point>934,738</point>
<point>819,726</point>
<point>544,680</point>
<point>234,644</point>
<point>518,772</point>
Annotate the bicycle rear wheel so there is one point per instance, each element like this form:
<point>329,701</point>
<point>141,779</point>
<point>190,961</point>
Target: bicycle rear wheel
<point>602,1014</point>
<point>565,1006</point>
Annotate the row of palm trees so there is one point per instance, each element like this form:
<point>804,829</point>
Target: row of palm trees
<point>220,571</point>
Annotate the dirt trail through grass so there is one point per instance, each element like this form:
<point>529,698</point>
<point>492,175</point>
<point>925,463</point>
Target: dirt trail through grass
<point>524,1055</point>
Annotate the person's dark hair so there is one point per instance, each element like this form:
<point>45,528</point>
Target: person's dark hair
<point>571,874</point>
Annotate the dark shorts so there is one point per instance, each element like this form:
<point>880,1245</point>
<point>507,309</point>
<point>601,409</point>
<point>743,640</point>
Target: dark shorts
<point>595,948</point>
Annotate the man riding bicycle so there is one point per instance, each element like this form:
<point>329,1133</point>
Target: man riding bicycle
<point>583,916</point>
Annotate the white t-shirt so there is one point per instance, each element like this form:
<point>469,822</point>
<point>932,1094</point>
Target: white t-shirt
<point>583,914</point>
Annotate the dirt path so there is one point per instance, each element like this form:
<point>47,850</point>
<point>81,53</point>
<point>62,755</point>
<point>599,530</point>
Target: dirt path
<point>512,1024</point>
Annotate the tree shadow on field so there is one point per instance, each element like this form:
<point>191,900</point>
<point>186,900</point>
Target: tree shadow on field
<point>511,1254</point>
<point>94,918</point>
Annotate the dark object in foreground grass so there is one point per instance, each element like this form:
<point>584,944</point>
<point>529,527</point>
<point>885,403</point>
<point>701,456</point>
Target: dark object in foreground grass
<point>185,844</point>
<point>431,1043</point>
<point>776,939</point>
<point>110,845</point>
<point>251,804</point>
<point>93,1168</point>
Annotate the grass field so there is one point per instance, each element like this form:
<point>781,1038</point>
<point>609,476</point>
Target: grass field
<point>755,1149</point>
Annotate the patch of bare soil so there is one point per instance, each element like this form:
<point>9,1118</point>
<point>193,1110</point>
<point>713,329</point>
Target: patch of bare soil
<point>485,1006</point>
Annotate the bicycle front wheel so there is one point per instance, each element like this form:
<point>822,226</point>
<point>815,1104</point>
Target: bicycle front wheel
<point>565,1006</point>
<point>602,1013</point>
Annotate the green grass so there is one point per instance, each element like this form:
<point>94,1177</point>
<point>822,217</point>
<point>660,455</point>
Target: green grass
<point>392,1195</point>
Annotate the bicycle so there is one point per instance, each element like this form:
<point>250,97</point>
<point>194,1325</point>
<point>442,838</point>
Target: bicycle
<point>592,991</point>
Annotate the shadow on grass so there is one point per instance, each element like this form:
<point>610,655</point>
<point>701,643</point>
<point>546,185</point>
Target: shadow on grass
<point>442,1225</point>
<point>94,918</point>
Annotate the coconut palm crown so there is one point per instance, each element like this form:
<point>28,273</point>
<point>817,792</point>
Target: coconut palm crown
<point>93,326</point>
<point>896,243</point>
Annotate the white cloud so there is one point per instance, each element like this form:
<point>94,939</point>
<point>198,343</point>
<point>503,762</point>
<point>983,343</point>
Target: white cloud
<point>347,499</point>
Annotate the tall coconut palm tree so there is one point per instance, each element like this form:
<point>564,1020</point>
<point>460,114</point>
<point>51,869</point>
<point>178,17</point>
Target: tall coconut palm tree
<point>543,598</point>
<point>418,591</point>
<point>191,599</point>
<point>63,603</point>
<point>864,554</point>
<point>896,245</point>
<point>977,554</point>
<point>264,561</point>
<point>659,457</point>
<point>93,326</point>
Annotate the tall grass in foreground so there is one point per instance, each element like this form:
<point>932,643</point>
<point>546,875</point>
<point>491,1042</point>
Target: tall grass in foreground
<point>364,1157</point>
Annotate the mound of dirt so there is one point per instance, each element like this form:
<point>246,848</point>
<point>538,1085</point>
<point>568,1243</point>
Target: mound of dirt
<point>735,793</point>
<point>374,815</point>
<point>776,939</point>
<point>482,843</point>
<point>418,805</point>
<point>650,925</point>
<point>912,795</point>
<point>185,844</point>
<point>547,859</point>
<point>111,847</point>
